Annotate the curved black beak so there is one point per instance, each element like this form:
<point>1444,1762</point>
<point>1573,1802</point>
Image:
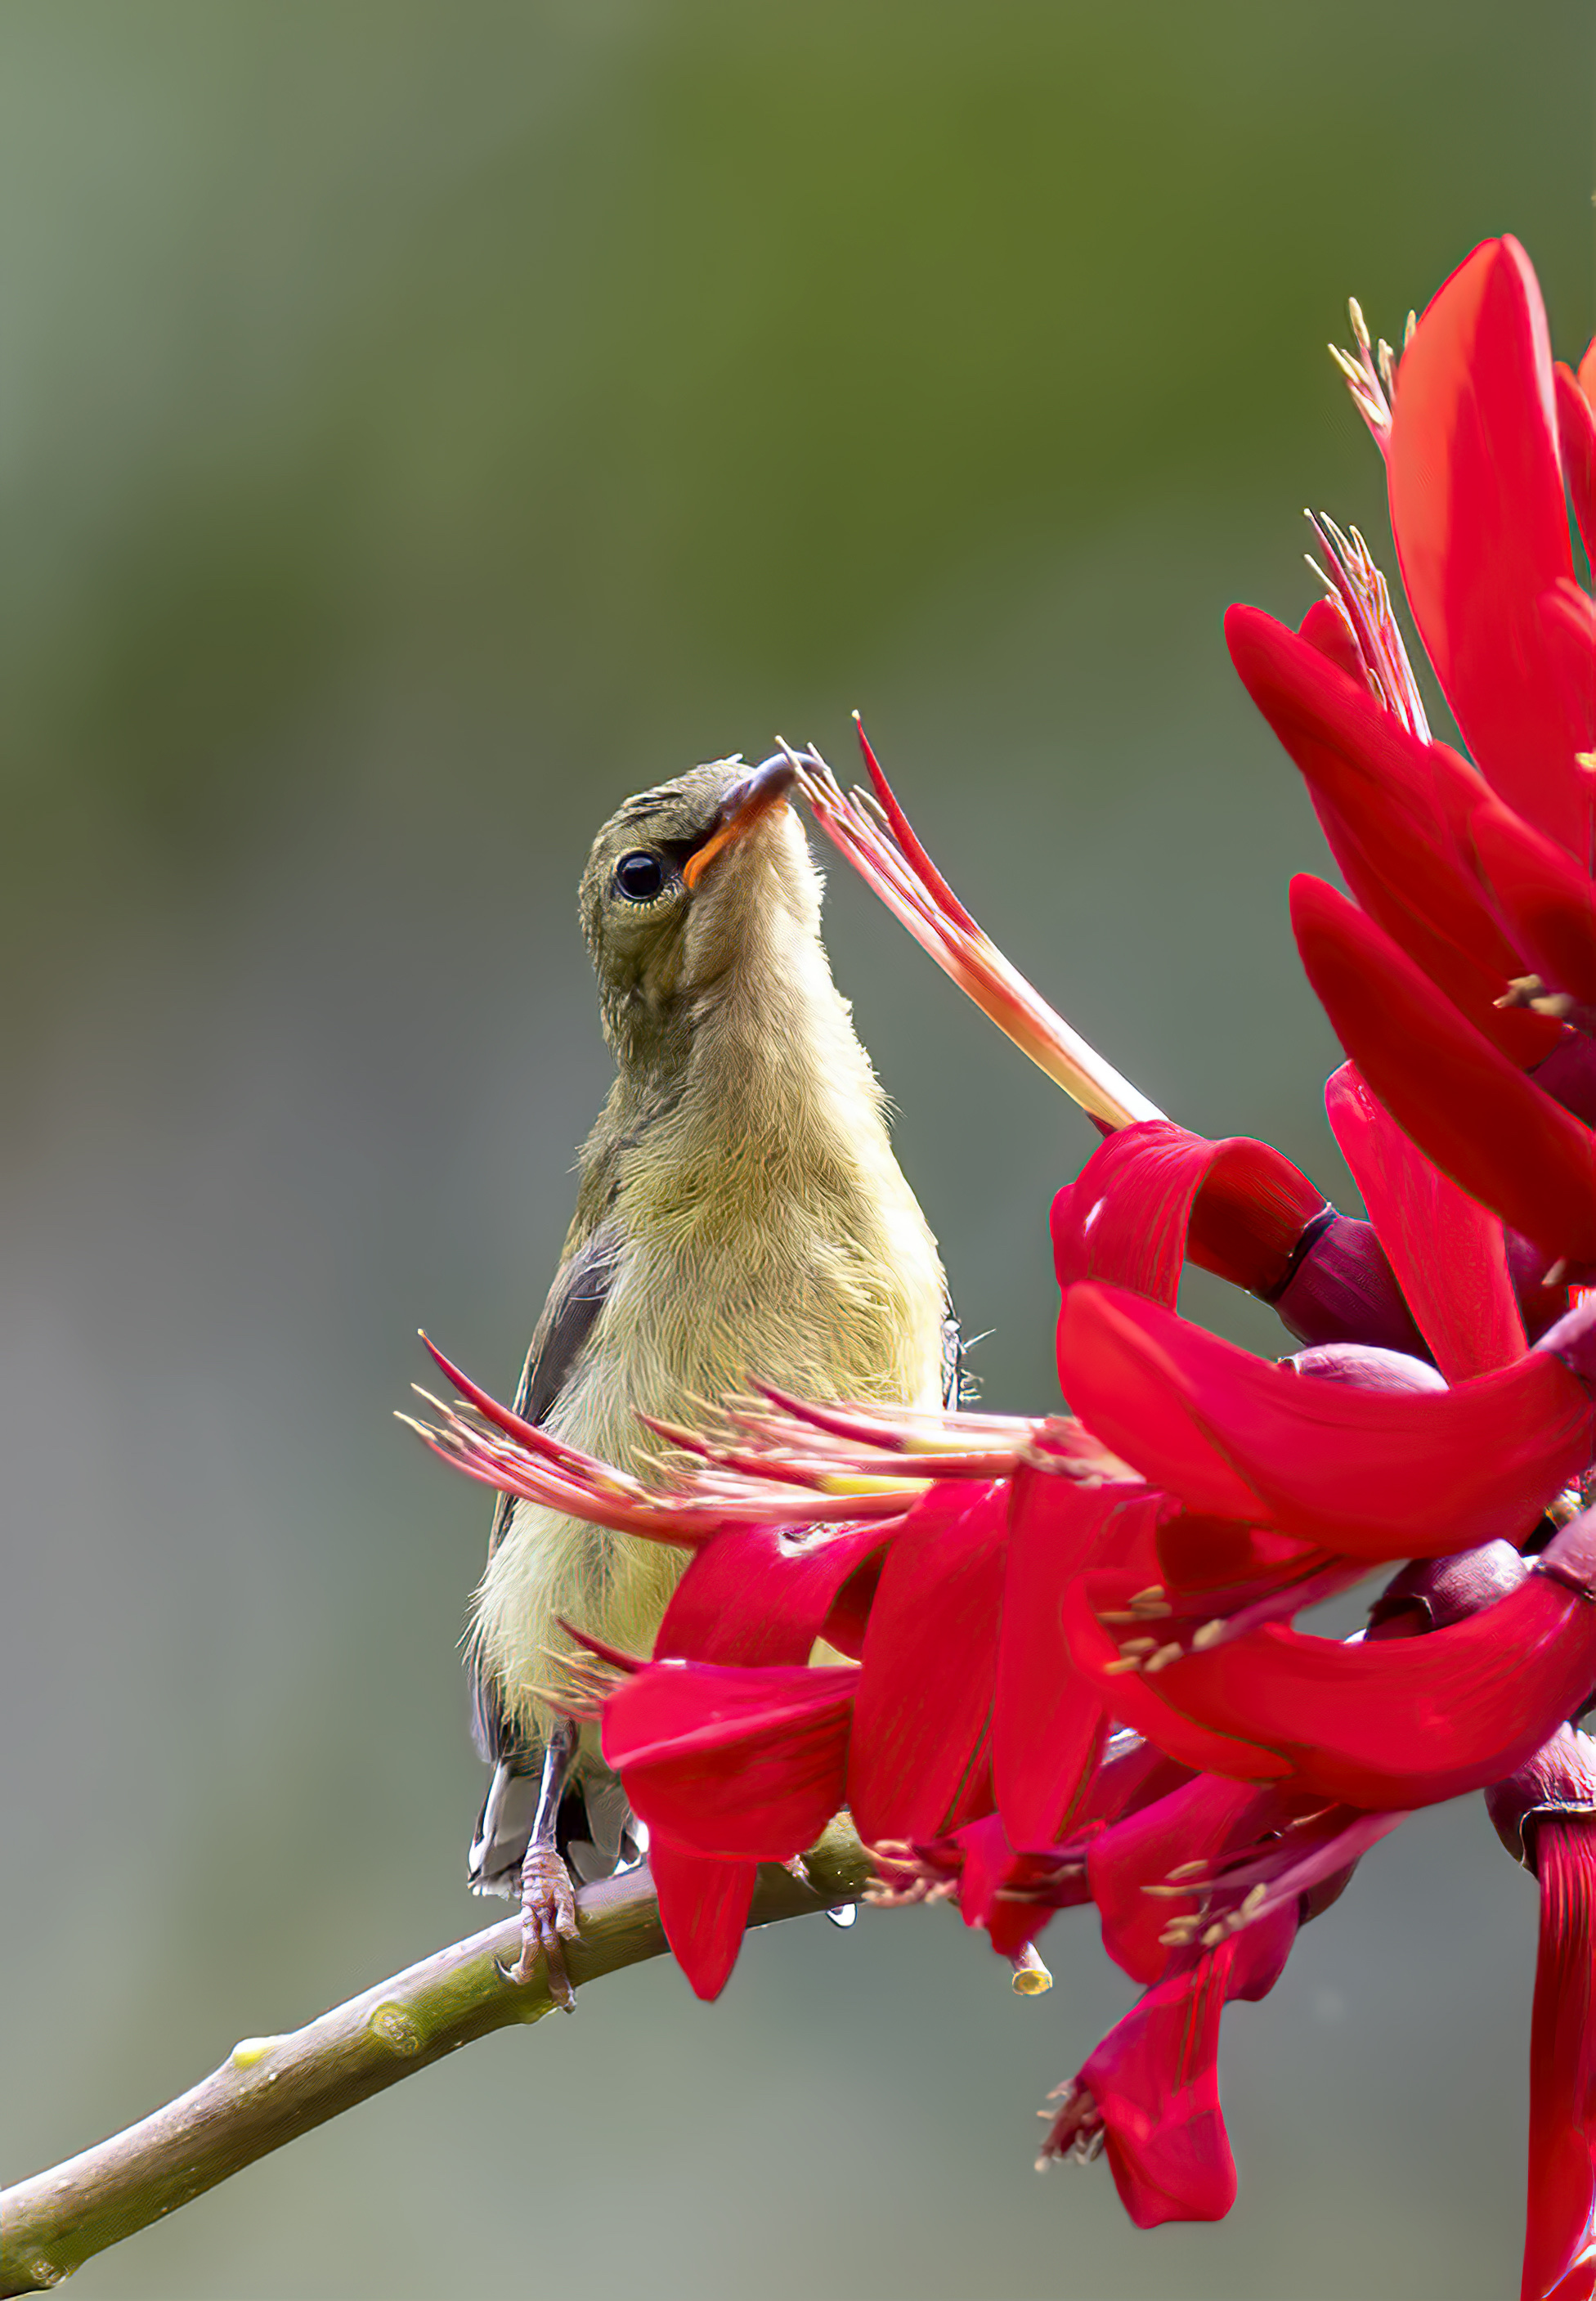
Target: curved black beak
<point>748,800</point>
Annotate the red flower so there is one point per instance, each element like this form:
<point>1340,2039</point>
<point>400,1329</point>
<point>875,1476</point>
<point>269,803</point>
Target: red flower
<point>1482,1121</point>
<point>1449,1252</point>
<point>1482,532</point>
<point>1367,1473</point>
<point>1476,944</point>
<point>1149,2093</point>
<point>1546,1815</point>
<point>1370,1723</point>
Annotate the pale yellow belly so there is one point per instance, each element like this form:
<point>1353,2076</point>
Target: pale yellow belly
<point>697,1316</point>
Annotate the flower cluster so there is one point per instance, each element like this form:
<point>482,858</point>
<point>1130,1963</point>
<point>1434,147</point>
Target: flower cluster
<point>1064,1666</point>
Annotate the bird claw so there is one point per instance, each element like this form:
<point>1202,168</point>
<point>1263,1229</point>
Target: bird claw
<point>548,1919</point>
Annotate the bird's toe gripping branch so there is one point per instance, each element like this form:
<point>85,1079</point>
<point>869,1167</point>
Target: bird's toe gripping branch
<point>548,1919</point>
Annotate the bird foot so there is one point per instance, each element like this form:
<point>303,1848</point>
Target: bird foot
<point>548,1919</point>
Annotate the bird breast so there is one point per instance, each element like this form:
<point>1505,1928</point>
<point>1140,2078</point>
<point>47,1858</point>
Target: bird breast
<point>776,1240</point>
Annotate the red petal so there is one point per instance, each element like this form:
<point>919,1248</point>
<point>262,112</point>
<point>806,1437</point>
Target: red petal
<point>1576,441</point>
<point>753,1595</point>
<point>1012,1894</point>
<point>1048,1721</point>
<point>1476,505</point>
<point>924,1709</point>
<point>1371,1474</point>
<point>1584,375</point>
<point>1547,902</point>
<point>1373,785</point>
<point>1132,1698</point>
<point>1152,2086</point>
<point>703,1908</point>
<point>744,1765</point>
<point>1325,629</point>
<point>1480,1120</point>
<point>1125,1217</point>
<point>1407,1721</point>
<point>1562,2186</point>
<point>1448,1252</point>
<point>1202,1819</point>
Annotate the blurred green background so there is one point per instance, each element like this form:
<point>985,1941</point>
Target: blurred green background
<point>420,426</point>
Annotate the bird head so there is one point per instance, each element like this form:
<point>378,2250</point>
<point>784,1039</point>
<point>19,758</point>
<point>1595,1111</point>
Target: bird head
<point>689,887</point>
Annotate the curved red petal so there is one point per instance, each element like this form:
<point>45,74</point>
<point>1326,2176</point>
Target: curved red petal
<point>1373,786</point>
<point>752,1595</point>
<point>1576,442</point>
<point>919,1747</point>
<point>1477,505</point>
<point>1370,1474</point>
<point>1127,1214</point>
<point>1195,1823</point>
<point>1407,1721</point>
<point>743,1764</point>
<point>1449,1252</point>
<point>1562,2183</point>
<point>1482,1121</point>
<point>1152,2087</point>
<point>703,1908</point>
<point>1048,1721</point>
<point>1547,902</point>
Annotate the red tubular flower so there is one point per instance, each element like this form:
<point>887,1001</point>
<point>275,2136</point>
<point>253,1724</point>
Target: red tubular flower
<point>1013,1892</point>
<point>1482,533</point>
<point>1365,1473</point>
<point>1154,1194</point>
<point>1129,1864</point>
<point>1149,2093</point>
<point>1480,1120</point>
<point>1010,1894</point>
<point>744,1765</point>
<point>1214,1855</point>
<point>1374,784</point>
<point>1398,1723</point>
<point>1048,1722</point>
<point>1449,1252</point>
<point>1546,1815</point>
<point>875,835</point>
<point>919,1761</point>
<point>754,1594</point>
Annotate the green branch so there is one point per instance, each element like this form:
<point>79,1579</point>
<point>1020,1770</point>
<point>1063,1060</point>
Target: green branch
<point>269,2090</point>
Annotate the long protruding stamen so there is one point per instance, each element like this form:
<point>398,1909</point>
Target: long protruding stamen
<point>1370,380</point>
<point>887,855</point>
<point>1358,591</point>
<point>494,1446</point>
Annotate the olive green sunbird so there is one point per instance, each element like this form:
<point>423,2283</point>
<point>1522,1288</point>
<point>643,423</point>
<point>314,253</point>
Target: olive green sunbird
<point>739,1214</point>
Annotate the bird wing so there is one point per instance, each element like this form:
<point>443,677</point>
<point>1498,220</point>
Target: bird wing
<point>581,1286</point>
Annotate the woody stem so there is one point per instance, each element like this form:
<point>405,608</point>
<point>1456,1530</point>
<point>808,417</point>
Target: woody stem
<point>272,2089</point>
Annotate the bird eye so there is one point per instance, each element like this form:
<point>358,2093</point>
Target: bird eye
<point>639,875</point>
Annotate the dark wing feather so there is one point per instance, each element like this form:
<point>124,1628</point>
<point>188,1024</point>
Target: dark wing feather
<point>581,1287</point>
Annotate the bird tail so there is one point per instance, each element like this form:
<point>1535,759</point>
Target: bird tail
<point>598,1833</point>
